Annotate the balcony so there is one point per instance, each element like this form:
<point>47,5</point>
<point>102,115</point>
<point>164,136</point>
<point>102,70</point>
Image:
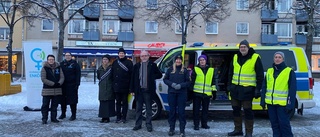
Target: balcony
<point>269,15</point>
<point>126,12</point>
<point>125,36</point>
<point>91,35</point>
<point>91,13</point>
<point>301,16</point>
<point>301,39</point>
<point>269,39</point>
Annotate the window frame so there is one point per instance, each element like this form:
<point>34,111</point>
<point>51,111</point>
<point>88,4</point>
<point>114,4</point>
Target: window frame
<point>239,33</point>
<point>150,6</point>
<point>116,29</point>
<point>217,28</point>
<point>245,5</point>
<point>105,6</point>
<point>6,6</point>
<point>156,25</point>
<point>6,32</point>
<point>288,6</point>
<point>289,32</point>
<point>75,6</point>
<point>70,26</point>
<point>42,22</point>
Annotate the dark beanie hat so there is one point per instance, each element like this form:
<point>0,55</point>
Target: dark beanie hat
<point>122,50</point>
<point>244,42</point>
<point>178,57</point>
<point>203,56</point>
<point>280,53</point>
<point>107,56</point>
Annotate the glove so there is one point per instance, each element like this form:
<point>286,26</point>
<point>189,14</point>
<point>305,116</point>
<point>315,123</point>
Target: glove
<point>257,94</point>
<point>56,84</point>
<point>173,85</point>
<point>177,87</point>
<point>214,95</point>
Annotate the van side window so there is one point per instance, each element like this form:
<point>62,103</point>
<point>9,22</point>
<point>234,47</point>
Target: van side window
<point>168,62</point>
<point>267,58</point>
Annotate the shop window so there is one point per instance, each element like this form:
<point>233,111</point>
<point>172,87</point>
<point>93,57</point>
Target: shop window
<point>318,63</point>
<point>4,63</point>
<point>93,63</point>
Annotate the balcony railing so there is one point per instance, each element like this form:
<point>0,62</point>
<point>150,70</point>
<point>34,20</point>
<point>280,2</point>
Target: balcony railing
<point>126,12</point>
<point>269,39</point>
<point>91,12</point>
<point>126,36</point>
<point>301,16</point>
<point>301,39</point>
<point>269,15</point>
<point>91,35</point>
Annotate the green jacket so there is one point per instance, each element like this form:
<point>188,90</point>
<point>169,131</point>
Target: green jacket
<point>105,85</point>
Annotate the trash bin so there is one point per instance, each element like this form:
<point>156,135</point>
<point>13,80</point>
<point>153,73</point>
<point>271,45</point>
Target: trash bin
<point>5,81</point>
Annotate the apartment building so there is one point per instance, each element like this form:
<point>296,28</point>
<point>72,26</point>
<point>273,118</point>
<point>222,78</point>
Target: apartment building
<point>100,30</point>
<point>16,46</point>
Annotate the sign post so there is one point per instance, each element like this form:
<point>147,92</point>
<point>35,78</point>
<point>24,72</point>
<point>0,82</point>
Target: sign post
<point>34,54</point>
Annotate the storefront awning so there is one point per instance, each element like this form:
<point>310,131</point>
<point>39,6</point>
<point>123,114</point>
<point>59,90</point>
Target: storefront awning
<point>153,53</point>
<point>95,52</point>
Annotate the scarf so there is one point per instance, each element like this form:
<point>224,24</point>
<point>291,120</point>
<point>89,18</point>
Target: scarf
<point>143,75</point>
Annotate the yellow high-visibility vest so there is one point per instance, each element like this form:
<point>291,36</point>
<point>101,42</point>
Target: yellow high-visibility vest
<point>244,75</point>
<point>203,82</point>
<point>277,89</point>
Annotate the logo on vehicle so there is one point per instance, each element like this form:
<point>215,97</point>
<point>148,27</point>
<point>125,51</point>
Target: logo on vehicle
<point>37,56</point>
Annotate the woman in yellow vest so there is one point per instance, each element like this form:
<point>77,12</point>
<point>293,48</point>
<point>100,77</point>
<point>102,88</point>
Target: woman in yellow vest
<point>279,94</point>
<point>203,81</point>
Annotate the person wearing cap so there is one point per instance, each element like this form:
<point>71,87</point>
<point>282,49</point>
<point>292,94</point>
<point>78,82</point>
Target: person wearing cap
<point>143,87</point>
<point>244,83</point>
<point>121,74</point>
<point>72,72</point>
<point>106,94</point>
<point>203,87</point>
<point>279,94</point>
<point>178,80</point>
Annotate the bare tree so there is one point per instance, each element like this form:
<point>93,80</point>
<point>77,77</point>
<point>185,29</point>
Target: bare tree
<point>12,11</point>
<point>184,12</point>
<point>310,8</point>
<point>56,9</point>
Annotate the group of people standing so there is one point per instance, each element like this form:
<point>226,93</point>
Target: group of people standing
<point>246,81</point>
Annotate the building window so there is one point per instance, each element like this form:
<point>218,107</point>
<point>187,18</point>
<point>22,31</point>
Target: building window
<point>111,5</point>
<point>152,4</point>
<point>178,29</point>
<point>47,25</point>
<point>151,27</point>
<point>267,28</point>
<point>126,26</point>
<point>242,28</point>
<point>284,6</point>
<point>5,6</point>
<point>110,27</point>
<point>212,28</point>
<point>284,30</point>
<point>76,4</point>
<point>76,26</point>
<point>242,4</point>
<point>4,33</point>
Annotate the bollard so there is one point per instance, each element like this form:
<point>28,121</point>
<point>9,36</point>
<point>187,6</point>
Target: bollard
<point>94,75</point>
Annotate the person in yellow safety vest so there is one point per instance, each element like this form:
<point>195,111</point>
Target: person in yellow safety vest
<point>244,83</point>
<point>204,84</point>
<point>279,93</point>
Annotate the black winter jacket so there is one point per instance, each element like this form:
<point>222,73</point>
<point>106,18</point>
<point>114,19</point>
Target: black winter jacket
<point>121,77</point>
<point>178,77</point>
<point>245,93</point>
<point>153,74</point>
<point>71,71</point>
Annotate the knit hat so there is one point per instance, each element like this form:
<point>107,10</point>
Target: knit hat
<point>121,50</point>
<point>178,57</point>
<point>203,56</point>
<point>244,42</point>
<point>107,56</point>
<point>280,53</point>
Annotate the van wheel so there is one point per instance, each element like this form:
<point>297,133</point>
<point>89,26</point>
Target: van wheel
<point>156,109</point>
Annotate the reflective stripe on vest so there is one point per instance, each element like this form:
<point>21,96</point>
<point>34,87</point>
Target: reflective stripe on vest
<point>277,89</point>
<point>203,82</point>
<point>244,75</point>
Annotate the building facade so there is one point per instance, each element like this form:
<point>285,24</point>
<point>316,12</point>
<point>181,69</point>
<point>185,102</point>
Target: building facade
<point>103,29</point>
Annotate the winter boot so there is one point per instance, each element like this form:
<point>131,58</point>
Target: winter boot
<point>73,112</point>
<point>237,127</point>
<point>63,111</point>
<point>249,128</point>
